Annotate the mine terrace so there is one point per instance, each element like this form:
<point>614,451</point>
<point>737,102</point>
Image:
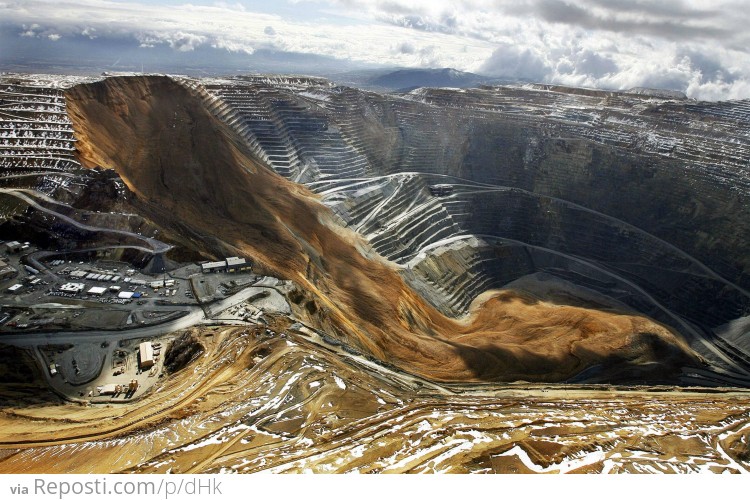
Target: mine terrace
<point>281,273</point>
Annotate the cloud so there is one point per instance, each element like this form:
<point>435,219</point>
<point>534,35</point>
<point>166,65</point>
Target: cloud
<point>559,11</point>
<point>698,46</point>
<point>405,47</point>
<point>709,66</point>
<point>586,62</point>
<point>510,61</point>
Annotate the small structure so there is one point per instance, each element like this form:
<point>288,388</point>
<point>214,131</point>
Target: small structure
<point>160,283</point>
<point>114,288</point>
<point>72,287</point>
<point>229,265</point>
<point>125,295</point>
<point>52,369</point>
<point>145,355</point>
<point>214,267</point>
<point>7,272</point>
<point>108,389</point>
<point>237,264</point>
<point>15,288</point>
<point>13,247</point>
<point>97,290</point>
<point>133,386</point>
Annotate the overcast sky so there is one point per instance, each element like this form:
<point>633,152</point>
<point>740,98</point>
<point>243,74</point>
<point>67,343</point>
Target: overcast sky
<point>701,47</point>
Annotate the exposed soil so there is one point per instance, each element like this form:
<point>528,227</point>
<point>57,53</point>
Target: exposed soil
<point>197,180</point>
<point>282,401</point>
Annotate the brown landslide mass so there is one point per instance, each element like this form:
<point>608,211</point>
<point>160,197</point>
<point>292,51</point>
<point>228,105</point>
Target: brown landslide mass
<point>201,184</point>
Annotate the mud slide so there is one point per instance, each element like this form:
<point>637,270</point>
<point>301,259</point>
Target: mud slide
<point>197,179</point>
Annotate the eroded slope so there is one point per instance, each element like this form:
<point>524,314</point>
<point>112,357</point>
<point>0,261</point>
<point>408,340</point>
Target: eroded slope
<point>200,181</point>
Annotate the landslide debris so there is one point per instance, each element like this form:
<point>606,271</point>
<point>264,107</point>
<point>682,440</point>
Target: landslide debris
<point>182,351</point>
<point>196,179</point>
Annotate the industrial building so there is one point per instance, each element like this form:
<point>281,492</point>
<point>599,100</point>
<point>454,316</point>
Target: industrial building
<point>72,287</point>
<point>109,389</point>
<point>237,264</point>
<point>15,288</point>
<point>13,247</point>
<point>6,271</point>
<point>228,265</point>
<point>96,290</point>
<point>145,355</point>
<point>214,267</point>
<point>160,283</point>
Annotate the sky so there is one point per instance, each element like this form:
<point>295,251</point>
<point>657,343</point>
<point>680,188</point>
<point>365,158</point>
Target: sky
<point>700,47</point>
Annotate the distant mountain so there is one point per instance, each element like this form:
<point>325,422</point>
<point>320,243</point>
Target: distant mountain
<point>409,79</point>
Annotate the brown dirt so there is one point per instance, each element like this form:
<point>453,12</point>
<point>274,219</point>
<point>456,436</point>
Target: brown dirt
<point>195,178</point>
<point>255,402</point>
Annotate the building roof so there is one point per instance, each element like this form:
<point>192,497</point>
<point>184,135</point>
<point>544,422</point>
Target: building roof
<point>146,351</point>
<point>213,265</point>
<point>97,290</point>
<point>15,287</point>
<point>72,287</point>
<point>125,295</point>
<point>235,261</point>
<point>107,389</point>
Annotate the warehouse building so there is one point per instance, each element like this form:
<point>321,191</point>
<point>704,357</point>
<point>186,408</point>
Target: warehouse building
<point>237,264</point>
<point>214,267</point>
<point>13,247</point>
<point>145,356</point>
<point>228,265</point>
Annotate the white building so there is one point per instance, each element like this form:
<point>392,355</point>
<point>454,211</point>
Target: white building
<point>107,389</point>
<point>145,355</point>
<point>214,267</point>
<point>97,290</point>
<point>72,287</point>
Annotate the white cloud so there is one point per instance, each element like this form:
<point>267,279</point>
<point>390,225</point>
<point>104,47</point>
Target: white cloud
<point>512,61</point>
<point>698,46</point>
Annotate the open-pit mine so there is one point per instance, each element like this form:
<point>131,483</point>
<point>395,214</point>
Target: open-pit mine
<point>277,273</point>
